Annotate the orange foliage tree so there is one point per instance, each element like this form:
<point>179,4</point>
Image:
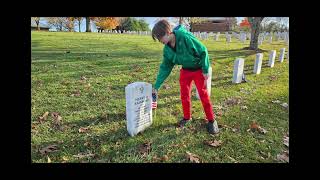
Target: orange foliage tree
<point>103,23</point>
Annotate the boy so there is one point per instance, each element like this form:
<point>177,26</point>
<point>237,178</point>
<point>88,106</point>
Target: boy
<point>182,48</point>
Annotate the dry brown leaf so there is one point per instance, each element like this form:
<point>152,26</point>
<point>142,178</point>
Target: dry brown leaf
<point>284,157</point>
<point>83,78</point>
<point>285,105</point>
<point>275,101</point>
<point>76,93</point>
<point>83,155</point>
<point>49,160</point>
<point>145,149</point>
<point>165,158</point>
<point>193,157</point>
<point>233,101</point>
<point>272,78</point>
<point>214,143</point>
<point>56,118</point>
<point>43,117</point>
<point>166,86</point>
<point>243,107</point>
<point>48,149</point>
<point>83,130</point>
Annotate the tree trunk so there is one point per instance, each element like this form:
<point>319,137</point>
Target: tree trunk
<point>255,31</point>
<point>88,29</point>
<point>180,20</point>
<point>79,20</point>
<point>38,27</point>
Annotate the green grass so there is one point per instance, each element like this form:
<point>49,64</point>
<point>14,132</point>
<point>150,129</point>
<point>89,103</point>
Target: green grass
<point>112,61</point>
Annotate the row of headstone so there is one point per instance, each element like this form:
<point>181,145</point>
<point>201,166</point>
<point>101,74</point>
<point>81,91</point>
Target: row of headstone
<point>129,32</point>
<point>239,64</point>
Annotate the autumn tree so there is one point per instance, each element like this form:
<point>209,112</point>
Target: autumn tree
<point>104,23</point>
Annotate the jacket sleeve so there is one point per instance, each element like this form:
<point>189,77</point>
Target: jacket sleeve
<point>164,71</point>
<point>200,51</point>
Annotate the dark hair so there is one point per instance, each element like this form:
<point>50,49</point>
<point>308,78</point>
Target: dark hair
<point>160,29</point>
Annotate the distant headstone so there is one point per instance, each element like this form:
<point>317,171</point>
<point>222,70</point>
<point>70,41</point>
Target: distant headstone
<point>281,57</point>
<point>138,107</point>
<point>258,63</point>
<point>208,83</point>
<point>238,70</point>
<point>272,57</point>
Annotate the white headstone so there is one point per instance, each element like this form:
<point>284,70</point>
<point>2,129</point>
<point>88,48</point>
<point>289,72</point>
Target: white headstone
<point>281,57</point>
<point>208,83</point>
<point>217,37</point>
<point>138,107</point>
<point>272,57</point>
<point>270,39</point>
<point>238,70</point>
<point>258,63</point>
<point>228,38</point>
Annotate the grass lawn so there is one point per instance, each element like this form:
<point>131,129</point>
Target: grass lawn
<point>82,77</point>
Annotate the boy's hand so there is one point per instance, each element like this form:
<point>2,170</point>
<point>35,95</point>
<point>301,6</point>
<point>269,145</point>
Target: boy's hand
<point>205,77</point>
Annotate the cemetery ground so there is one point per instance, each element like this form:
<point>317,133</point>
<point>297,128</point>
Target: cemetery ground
<point>78,103</point>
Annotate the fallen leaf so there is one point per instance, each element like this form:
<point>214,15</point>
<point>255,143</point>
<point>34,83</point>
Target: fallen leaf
<point>83,130</point>
<point>219,113</point>
<point>232,101</point>
<point>48,149</point>
<point>145,149</point>
<point>243,107</point>
<point>284,157</point>
<point>49,160</point>
<point>76,93</point>
<point>64,158</point>
<point>56,118</point>
<point>83,78</point>
<point>193,157</point>
<point>276,101</point>
<point>262,131</point>
<point>255,127</point>
<point>232,159</point>
<point>214,143</point>
<point>285,105</point>
<point>272,78</point>
<point>83,155</point>
<point>166,86</point>
<point>165,158</point>
<point>286,141</point>
<point>43,117</point>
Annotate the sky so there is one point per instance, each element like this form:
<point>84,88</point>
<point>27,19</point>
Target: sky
<point>150,20</point>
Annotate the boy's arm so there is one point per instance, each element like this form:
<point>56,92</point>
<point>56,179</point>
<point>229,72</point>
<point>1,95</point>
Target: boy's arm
<point>164,71</point>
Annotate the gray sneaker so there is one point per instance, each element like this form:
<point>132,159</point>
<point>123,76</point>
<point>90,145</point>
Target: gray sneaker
<point>213,127</point>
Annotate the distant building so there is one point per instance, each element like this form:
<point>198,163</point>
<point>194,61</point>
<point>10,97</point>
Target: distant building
<point>215,24</point>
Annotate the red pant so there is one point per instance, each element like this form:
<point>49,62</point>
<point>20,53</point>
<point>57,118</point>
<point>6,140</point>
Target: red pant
<point>186,78</point>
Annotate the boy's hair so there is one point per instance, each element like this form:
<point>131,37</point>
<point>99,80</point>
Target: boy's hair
<point>160,29</point>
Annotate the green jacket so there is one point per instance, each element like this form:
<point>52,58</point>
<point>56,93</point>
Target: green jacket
<point>190,53</point>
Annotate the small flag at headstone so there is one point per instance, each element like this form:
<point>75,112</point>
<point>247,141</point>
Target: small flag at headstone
<point>154,100</point>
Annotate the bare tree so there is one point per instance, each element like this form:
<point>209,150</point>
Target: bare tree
<point>37,21</point>
<point>255,23</point>
<point>88,28</point>
<point>56,22</point>
<point>79,19</point>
